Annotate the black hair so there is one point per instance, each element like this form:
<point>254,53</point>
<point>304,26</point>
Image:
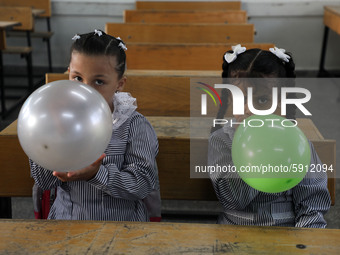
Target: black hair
<point>100,43</point>
<point>257,63</point>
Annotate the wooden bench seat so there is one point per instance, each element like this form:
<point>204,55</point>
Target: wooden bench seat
<point>36,4</point>
<point>188,5</point>
<point>185,16</point>
<point>17,50</point>
<point>178,56</point>
<point>181,33</point>
<point>34,34</point>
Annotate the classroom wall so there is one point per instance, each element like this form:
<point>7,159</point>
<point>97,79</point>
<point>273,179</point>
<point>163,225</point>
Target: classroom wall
<point>296,25</point>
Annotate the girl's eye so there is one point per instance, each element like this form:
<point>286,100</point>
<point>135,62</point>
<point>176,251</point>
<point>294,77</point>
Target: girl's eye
<point>99,82</point>
<point>262,100</point>
<point>77,78</point>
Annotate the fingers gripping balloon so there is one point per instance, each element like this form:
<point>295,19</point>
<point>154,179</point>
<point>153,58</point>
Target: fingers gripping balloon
<point>270,156</point>
<point>64,126</point>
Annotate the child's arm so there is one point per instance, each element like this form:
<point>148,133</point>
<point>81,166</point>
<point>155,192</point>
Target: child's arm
<point>43,178</point>
<point>311,197</point>
<point>138,175</point>
<point>231,190</point>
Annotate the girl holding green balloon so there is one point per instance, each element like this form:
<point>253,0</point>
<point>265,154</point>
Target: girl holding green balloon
<point>299,201</point>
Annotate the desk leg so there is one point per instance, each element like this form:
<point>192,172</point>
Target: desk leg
<point>2,87</point>
<point>48,41</point>
<point>322,71</point>
<point>2,39</point>
<point>5,208</point>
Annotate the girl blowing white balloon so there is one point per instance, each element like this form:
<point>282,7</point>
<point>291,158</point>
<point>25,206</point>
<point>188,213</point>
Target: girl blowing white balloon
<point>114,186</point>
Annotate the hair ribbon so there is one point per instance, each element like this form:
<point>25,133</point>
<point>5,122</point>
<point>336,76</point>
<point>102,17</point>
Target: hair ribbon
<point>75,37</point>
<point>237,49</point>
<point>98,32</point>
<point>280,53</point>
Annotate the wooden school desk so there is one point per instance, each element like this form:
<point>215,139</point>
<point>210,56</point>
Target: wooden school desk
<point>41,9</point>
<point>331,20</point>
<point>99,237</point>
<point>179,144</point>
<point>173,161</point>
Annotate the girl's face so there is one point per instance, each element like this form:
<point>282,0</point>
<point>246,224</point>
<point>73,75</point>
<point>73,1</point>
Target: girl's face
<point>262,100</point>
<point>98,72</point>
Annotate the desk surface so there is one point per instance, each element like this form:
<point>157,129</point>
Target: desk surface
<point>333,9</point>
<point>8,24</point>
<point>331,18</point>
<point>90,237</point>
<point>37,12</point>
<point>184,127</point>
<point>179,127</point>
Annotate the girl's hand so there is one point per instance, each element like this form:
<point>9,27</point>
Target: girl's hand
<point>84,174</point>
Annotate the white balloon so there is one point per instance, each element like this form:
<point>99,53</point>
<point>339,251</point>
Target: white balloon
<point>64,126</point>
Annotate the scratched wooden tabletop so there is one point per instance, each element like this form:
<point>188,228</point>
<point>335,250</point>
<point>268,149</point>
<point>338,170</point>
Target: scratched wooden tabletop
<point>95,237</point>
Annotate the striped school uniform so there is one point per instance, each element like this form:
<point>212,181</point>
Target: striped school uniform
<point>302,206</point>
<point>128,174</point>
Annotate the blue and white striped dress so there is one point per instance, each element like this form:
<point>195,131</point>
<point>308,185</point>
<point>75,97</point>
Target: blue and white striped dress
<point>302,206</point>
<point>127,175</point>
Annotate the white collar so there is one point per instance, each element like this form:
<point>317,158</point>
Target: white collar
<point>124,106</point>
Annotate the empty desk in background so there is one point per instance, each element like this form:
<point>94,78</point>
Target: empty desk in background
<point>331,20</point>
<point>4,25</point>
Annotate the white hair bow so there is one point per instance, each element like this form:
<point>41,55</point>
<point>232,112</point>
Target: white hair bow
<point>121,44</point>
<point>75,37</point>
<point>280,53</point>
<point>98,32</point>
<point>237,49</point>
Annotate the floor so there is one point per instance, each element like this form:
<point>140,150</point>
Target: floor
<point>325,107</point>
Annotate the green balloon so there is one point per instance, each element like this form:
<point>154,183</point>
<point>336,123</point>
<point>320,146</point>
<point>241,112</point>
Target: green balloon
<point>270,153</point>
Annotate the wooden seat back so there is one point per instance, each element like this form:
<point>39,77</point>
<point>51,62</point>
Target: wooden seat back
<point>36,4</point>
<point>19,14</point>
<point>154,98</point>
<point>207,56</point>
<point>185,16</point>
<point>188,5</point>
<point>182,33</point>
